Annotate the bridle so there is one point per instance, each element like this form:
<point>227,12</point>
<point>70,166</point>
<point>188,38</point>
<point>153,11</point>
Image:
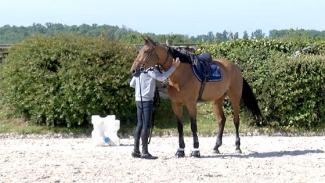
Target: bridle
<point>168,55</point>
<point>152,54</point>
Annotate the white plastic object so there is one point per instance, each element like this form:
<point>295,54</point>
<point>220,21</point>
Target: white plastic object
<point>105,130</point>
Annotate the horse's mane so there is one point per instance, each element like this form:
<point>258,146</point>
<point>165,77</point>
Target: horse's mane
<point>184,58</point>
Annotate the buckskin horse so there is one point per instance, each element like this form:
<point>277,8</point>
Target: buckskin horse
<point>185,89</point>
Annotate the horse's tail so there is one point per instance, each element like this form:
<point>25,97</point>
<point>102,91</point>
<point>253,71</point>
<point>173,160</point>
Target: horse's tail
<point>250,101</point>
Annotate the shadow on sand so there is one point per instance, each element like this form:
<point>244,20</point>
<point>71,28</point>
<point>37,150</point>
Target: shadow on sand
<point>126,145</point>
<point>266,154</point>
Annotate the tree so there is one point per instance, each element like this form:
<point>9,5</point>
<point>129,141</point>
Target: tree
<point>258,34</point>
<point>210,36</point>
<point>236,35</point>
<point>245,36</point>
<point>219,37</point>
<point>230,36</point>
<point>225,35</point>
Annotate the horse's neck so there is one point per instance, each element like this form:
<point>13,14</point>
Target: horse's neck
<point>183,73</point>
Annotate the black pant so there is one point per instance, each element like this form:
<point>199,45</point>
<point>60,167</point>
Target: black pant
<point>144,115</point>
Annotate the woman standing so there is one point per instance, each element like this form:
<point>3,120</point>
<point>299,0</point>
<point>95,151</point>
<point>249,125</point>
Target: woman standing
<point>145,85</point>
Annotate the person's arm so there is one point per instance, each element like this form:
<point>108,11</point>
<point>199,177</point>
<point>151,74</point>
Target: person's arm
<point>132,82</point>
<point>161,76</point>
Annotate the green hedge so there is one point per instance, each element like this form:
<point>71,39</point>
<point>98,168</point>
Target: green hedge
<point>292,93</point>
<point>290,90</point>
<point>287,47</point>
<point>65,79</point>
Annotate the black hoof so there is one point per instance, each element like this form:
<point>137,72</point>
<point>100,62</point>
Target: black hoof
<point>216,150</point>
<point>180,154</point>
<point>195,154</point>
<point>238,151</point>
<point>148,156</point>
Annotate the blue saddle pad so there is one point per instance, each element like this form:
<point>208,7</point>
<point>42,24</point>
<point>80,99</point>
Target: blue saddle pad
<point>209,70</point>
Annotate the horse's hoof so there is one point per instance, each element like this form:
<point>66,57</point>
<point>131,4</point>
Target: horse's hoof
<point>180,154</point>
<point>216,150</point>
<point>238,151</point>
<point>195,154</point>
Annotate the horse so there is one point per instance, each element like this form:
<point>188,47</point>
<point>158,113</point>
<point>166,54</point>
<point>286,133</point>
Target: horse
<point>184,90</point>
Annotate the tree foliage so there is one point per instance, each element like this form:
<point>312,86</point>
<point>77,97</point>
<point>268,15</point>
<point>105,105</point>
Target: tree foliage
<point>297,34</point>
<point>15,34</point>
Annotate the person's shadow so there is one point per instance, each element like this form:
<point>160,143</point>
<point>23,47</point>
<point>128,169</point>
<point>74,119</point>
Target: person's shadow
<point>266,154</point>
<point>126,145</point>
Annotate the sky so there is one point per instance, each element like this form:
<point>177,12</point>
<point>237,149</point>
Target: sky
<point>190,17</point>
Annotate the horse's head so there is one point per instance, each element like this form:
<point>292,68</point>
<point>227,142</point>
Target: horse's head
<point>150,55</point>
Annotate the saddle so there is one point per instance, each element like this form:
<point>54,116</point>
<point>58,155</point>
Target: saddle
<point>205,70</point>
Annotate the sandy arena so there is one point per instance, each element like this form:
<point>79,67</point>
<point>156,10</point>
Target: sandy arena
<point>264,159</point>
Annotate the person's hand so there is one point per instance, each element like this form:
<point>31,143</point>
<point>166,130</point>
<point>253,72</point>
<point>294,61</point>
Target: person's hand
<point>176,62</point>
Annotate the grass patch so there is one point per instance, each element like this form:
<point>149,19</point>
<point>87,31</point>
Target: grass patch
<point>10,123</point>
<point>206,121</point>
<point>165,124</point>
<point>8,126</point>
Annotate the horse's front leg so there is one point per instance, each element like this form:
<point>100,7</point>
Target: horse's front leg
<point>192,112</point>
<point>178,111</point>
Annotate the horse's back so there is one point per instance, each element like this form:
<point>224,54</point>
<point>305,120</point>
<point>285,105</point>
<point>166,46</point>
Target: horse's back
<point>234,74</point>
<point>229,68</point>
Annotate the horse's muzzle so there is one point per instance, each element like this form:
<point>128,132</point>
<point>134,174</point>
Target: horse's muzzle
<point>136,72</point>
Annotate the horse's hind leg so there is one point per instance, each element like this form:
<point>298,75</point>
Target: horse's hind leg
<point>217,108</point>
<point>235,104</point>
<point>191,107</point>
<point>178,111</point>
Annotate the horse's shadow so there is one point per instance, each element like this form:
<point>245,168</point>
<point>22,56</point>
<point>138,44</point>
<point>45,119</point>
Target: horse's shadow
<point>271,154</point>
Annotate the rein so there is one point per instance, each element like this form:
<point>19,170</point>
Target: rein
<point>153,113</point>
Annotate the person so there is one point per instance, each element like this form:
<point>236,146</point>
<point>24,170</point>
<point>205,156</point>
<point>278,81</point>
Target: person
<point>145,86</point>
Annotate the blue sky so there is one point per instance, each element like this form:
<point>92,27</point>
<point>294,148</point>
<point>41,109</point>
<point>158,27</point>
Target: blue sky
<point>189,17</point>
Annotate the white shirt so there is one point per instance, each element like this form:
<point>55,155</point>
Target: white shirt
<point>145,84</point>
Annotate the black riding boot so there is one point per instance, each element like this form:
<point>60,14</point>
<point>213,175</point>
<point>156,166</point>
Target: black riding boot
<point>136,152</point>
<point>144,138</point>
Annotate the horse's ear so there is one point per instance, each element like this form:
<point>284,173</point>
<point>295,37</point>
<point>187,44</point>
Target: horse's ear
<point>144,38</point>
<point>148,41</point>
